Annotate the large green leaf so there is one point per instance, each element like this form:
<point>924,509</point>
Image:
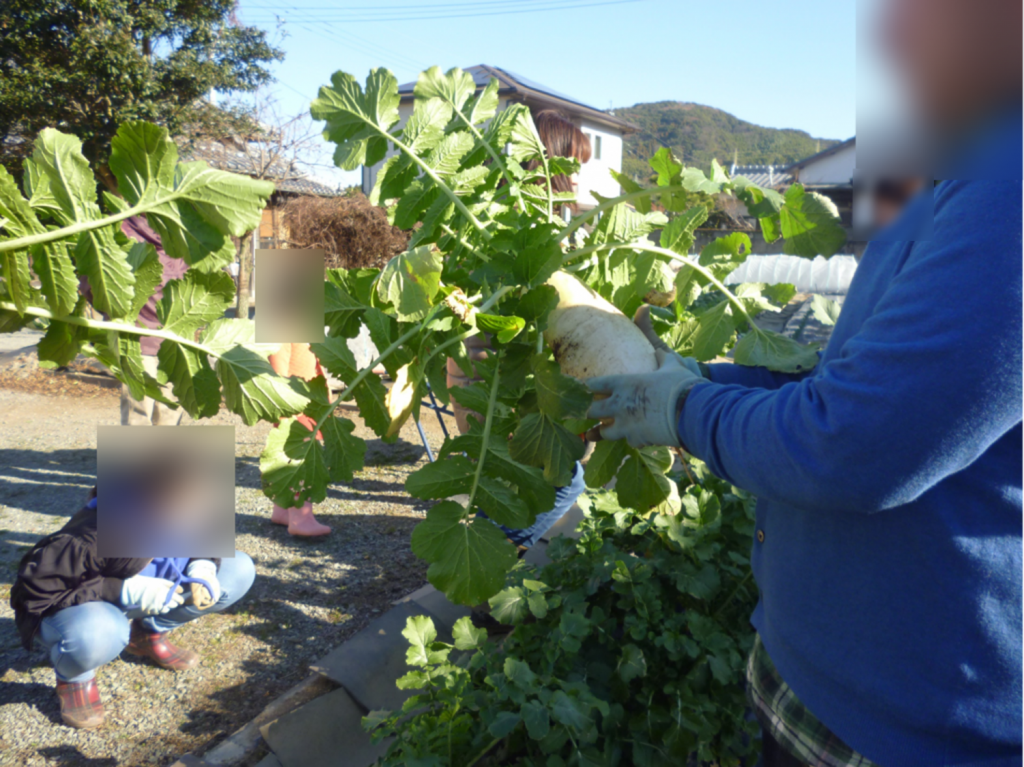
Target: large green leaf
<point>145,264</point>
<point>63,341</point>
<point>452,88</point>
<point>358,120</point>
<point>529,252</point>
<point>292,465</point>
<point>50,262</point>
<point>546,444</point>
<point>501,503</point>
<point>341,311</point>
<point>664,164</point>
<point>604,462</point>
<point>97,254</point>
<point>715,328</point>
<point>558,396</point>
<point>763,348</point>
<point>483,108</point>
<point>641,482</point>
<point>678,235</point>
<point>424,129</point>
<point>410,281</point>
<point>530,483</point>
<point>825,310</point>
<point>57,280</point>
<point>810,224</point>
<point>468,560</point>
<point>193,381</point>
<point>190,205</point>
<point>251,387</point>
<point>441,479</point>
<point>724,254</point>
<point>194,300</point>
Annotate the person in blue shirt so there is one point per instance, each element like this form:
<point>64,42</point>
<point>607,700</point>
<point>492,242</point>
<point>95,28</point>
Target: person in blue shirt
<point>888,535</point>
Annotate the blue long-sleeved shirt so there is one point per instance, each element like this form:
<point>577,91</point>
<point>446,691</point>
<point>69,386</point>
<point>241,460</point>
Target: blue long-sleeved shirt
<point>889,485</point>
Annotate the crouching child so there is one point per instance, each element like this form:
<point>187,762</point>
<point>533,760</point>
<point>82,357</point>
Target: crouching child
<point>86,609</point>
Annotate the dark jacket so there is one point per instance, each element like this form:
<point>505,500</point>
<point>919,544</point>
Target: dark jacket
<point>63,570</point>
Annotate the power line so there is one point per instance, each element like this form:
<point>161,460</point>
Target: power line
<point>419,7</point>
<point>365,47</point>
<point>539,9</point>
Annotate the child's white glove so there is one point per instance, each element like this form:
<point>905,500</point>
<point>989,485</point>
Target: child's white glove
<point>206,571</point>
<point>142,592</point>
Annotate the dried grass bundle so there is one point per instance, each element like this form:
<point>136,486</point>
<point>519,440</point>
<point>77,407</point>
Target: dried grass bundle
<point>352,233</point>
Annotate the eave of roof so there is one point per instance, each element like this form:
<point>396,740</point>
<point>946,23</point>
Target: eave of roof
<point>515,90</point>
<point>821,155</point>
<point>221,157</point>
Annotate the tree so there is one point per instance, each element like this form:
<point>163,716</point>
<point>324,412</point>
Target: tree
<point>87,66</point>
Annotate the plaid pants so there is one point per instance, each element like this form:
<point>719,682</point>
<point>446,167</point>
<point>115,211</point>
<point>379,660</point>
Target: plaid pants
<point>788,721</point>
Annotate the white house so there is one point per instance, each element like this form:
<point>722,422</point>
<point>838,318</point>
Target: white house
<point>605,131</point>
<point>830,168</point>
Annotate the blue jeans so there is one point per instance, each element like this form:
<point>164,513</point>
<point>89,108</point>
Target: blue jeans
<point>565,497</point>
<point>84,637</point>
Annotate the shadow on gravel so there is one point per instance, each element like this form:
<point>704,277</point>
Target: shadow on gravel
<point>46,482</point>
<point>70,755</point>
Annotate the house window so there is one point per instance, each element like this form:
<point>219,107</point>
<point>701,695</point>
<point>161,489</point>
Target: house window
<point>597,147</point>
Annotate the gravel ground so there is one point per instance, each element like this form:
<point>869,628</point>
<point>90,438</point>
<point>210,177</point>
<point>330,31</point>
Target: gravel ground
<point>309,596</point>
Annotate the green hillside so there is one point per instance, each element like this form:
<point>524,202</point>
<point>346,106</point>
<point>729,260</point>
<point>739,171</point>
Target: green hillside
<point>698,133</point>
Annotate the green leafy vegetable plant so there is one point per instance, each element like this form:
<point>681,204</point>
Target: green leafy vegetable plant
<point>475,184</point>
<point>628,648</point>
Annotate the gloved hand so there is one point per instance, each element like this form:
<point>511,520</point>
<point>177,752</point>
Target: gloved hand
<point>644,407</point>
<point>141,592</point>
<point>206,571</point>
<point>642,319</point>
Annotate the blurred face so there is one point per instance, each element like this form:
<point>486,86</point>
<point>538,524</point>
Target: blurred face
<point>959,57</point>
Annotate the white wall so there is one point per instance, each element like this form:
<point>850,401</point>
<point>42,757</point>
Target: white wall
<point>835,169</point>
<point>594,175</point>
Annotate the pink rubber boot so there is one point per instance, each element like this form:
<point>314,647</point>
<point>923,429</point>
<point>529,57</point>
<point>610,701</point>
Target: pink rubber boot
<point>280,515</point>
<point>301,522</point>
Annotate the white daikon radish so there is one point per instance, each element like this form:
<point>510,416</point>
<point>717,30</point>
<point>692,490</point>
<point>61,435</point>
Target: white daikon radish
<point>590,337</point>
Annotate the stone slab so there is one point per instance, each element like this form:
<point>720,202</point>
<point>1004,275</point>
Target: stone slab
<point>270,760</point>
<point>566,525</point>
<point>187,760</point>
<point>244,741</point>
<point>326,732</point>
<point>369,663</point>
<point>444,612</point>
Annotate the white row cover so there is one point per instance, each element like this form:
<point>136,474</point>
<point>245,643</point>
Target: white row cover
<point>820,275</point>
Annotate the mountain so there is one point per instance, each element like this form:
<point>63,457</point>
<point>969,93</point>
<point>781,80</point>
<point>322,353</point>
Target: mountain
<point>698,133</point>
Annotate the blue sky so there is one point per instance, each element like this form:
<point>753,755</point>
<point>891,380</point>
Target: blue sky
<point>783,64</point>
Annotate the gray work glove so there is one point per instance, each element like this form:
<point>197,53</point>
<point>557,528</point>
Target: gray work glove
<point>644,408</point>
<point>152,596</point>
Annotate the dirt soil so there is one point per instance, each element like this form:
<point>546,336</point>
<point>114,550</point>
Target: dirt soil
<point>309,596</point>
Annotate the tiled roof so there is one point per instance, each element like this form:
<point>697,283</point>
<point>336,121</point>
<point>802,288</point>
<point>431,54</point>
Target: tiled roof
<point>824,153</point>
<point>224,157</point>
<point>765,176</point>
